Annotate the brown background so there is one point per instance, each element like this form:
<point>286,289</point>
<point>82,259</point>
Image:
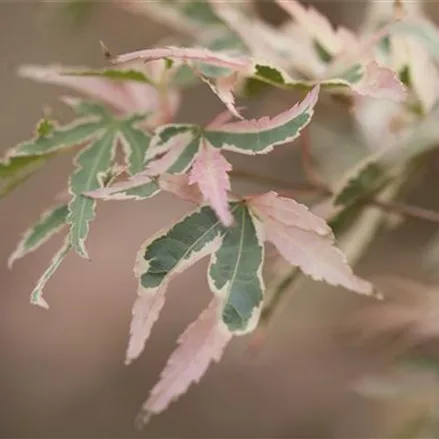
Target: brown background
<point>62,372</point>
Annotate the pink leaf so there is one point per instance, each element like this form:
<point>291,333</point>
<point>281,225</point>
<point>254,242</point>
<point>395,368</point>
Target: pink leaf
<point>201,343</point>
<point>145,312</point>
<point>125,96</point>
<point>210,172</point>
<point>304,241</point>
<point>380,82</point>
<point>206,56</point>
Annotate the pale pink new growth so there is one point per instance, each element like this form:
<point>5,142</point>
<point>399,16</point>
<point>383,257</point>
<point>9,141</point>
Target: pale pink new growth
<point>124,96</point>
<point>305,241</point>
<point>210,173</point>
<point>266,123</point>
<point>201,343</point>
<point>206,56</point>
<point>145,312</point>
<point>380,82</point>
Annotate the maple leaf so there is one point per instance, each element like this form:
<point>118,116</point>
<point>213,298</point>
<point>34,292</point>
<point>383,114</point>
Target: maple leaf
<point>125,90</point>
<point>305,241</point>
<point>177,148</point>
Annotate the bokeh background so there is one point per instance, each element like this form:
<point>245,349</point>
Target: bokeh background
<point>61,371</point>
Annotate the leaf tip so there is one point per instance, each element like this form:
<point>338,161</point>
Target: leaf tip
<point>38,300</point>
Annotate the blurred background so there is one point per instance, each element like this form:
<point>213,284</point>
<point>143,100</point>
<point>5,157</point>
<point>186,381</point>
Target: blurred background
<point>62,371</point>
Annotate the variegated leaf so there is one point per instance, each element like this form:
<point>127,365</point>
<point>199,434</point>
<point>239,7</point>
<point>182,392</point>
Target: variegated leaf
<point>135,142</point>
<point>235,271</point>
<point>259,136</point>
<point>91,162</point>
<point>201,343</point>
<point>178,145</point>
<point>50,223</point>
<point>187,54</point>
<point>37,293</point>
<point>163,257</point>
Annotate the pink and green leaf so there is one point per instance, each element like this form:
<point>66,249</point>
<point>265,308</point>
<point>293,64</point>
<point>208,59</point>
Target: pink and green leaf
<point>235,271</point>
<point>90,163</point>
<point>161,258</point>
<point>259,136</point>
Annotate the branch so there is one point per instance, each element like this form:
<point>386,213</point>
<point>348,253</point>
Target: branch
<point>317,188</point>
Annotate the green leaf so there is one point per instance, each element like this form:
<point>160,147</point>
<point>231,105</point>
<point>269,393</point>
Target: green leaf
<point>50,223</point>
<point>91,163</point>
<point>60,138</point>
<point>45,127</point>
<point>37,293</point>
<point>135,142</point>
<point>186,242</point>
<point>16,170</point>
<point>235,272</point>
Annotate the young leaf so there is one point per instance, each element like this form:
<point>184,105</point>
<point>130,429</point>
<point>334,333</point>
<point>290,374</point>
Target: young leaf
<point>210,172</point>
<point>380,82</point>
<point>235,272</point>
<point>164,256</point>
<point>50,223</point>
<point>259,136</point>
<point>37,293</point>
<point>310,249</point>
<point>187,54</point>
<point>122,89</point>
<point>201,343</point>
<point>316,25</point>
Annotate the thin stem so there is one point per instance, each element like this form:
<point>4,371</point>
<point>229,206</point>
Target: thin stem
<point>388,206</point>
<point>406,209</point>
